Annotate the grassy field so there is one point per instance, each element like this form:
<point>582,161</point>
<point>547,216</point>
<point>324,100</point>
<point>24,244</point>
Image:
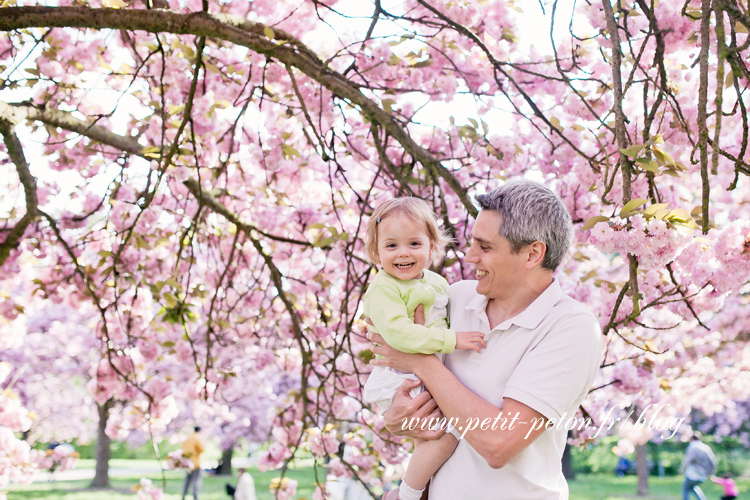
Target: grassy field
<point>213,487</point>
<point>584,487</point>
<point>610,487</point>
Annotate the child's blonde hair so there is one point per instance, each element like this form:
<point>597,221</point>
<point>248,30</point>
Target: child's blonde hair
<point>417,210</point>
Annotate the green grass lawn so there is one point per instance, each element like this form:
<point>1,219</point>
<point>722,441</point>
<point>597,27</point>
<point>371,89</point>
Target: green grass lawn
<point>584,487</point>
<point>610,487</point>
<point>122,487</point>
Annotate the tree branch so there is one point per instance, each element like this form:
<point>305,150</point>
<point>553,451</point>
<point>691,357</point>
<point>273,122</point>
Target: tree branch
<point>65,120</point>
<point>283,47</point>
<point>702,110</point>
<point>8,123</point>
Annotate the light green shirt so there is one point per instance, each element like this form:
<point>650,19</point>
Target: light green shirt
<point>390,305</point>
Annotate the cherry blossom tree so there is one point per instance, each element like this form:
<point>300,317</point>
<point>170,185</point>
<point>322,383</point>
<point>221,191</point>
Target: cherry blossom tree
<point>196,177</point>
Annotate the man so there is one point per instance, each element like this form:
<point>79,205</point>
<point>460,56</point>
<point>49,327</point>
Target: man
<point>543,351</point>
<point>245,486</point>
<point>192,449</point>
<point>699,463</point>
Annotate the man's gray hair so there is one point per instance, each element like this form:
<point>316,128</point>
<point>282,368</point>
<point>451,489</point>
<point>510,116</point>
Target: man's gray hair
<point>531,212</point>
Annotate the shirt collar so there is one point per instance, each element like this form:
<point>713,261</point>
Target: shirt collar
<point>530,317</point>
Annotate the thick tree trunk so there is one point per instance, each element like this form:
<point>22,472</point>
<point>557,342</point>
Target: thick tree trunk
<point>225,467</point>
<point>567,463</point>
<point>103,448</point>
<point>641,457</point>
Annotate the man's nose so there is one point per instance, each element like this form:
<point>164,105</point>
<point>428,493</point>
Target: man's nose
<point>471,255</point>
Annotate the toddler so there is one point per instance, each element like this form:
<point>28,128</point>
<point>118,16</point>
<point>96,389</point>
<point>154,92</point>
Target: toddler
<point>403,237</point>
<point>730,486</point>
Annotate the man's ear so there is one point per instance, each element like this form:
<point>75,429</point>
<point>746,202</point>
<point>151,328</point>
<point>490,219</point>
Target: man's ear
<point>536,252</point>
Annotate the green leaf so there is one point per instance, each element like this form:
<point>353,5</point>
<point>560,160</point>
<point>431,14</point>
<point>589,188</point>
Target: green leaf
<point>678,215</point>
<point>151,152</point>
<point>388,105</point>
<point>729,81</point>
<point>288,152</point>
<point>650,211</point>
<point>659,154</point>
<point>170,299</point>
<point>269,32</point>
<point>173,283</point>
<point>693,13</point>
<point>593,221</point>
<point>366,356</point>
<point>633,151</point>
<point>632,205</point>
<point>423,64</point>
<point>648,164</point>
<point>324,243</point>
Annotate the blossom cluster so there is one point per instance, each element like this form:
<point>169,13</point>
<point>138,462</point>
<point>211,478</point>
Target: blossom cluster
<point>146,490</point>
<point>655,242</point>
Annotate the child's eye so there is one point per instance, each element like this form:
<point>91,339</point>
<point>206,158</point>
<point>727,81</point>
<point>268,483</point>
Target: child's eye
<point>415,244</point>
<point>390,245</point>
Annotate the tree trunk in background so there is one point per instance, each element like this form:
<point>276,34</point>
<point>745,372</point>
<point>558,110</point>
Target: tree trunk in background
<point>641,457</point>
<point>567,463</point>
<point>225,468</point>
<point>103,449</point>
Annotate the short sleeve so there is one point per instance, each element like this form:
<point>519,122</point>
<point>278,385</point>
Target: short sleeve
<point>555,375</point>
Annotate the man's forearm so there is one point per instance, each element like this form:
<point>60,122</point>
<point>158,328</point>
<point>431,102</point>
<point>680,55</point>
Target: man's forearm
<point>478,420</point>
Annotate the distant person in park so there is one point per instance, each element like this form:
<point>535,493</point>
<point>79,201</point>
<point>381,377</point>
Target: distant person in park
<point>542,353</point>
<point>623,464</point>
<point>192,449</point>
<point>729,484</point>
<point>699,463</point>
<point>245,489</point>
<point>404,238</point>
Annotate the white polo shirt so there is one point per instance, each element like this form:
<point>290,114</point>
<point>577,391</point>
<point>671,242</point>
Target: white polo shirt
<point>546,358</point>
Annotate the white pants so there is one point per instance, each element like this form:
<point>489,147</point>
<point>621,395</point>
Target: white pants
<point>383,383</point>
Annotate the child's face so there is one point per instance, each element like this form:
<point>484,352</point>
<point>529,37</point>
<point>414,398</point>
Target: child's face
<point>403,247</point>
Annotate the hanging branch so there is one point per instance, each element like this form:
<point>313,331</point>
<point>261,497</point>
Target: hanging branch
<point>28,181</point>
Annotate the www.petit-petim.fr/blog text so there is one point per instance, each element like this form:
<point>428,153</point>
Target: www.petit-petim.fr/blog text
<point>651,417</point>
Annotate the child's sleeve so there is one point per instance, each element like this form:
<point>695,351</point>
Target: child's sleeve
<point>387,311</point>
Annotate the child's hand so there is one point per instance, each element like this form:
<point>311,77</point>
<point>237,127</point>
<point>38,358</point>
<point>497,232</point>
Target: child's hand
<point>470,340</point>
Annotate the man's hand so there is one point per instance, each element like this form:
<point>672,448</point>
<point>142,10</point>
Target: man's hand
<point>393,358</point>
<point>404,408</point>
<point>470,340</point>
